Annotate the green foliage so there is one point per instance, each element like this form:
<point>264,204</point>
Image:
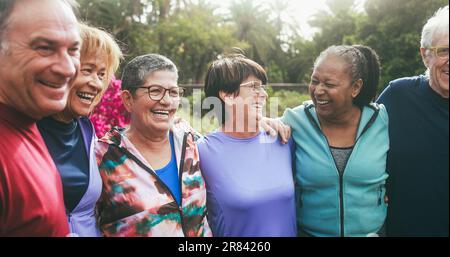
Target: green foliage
<point>393,29</point>
<point>194,33</point>
<point>285,99</point>
<point>193,42</point>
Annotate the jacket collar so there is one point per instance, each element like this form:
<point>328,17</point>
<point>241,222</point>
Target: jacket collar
<point>179,130</point>
<point>368,116</point>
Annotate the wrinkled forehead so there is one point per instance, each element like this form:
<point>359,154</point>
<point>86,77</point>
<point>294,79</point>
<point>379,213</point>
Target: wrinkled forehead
<point>164,78</point>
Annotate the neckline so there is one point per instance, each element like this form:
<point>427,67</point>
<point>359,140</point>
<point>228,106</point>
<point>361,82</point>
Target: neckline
<point>342,148</point>
<point>248,139</point>
<point>15,117</point>
<point>430,91</point>
<point>58,127</point>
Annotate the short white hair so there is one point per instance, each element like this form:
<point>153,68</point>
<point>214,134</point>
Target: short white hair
<point>436,25</point>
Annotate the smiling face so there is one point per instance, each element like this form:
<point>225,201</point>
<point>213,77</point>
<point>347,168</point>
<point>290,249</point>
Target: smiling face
<point>88,87</point>
<point>153,117</point>
<point>247,107</point>
<point>438,66</point>
<point>331,88</point>
<point>40,57</point>
<point>254,99</point>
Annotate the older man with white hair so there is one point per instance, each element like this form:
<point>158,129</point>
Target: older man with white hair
<point>418,162</point>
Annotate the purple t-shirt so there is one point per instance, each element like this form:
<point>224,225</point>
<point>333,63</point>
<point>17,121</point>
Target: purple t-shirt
<point>250,186</point>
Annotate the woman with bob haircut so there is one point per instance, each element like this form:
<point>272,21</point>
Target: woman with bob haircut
<point>248,173</point>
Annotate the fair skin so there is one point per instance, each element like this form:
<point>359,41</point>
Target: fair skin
<point>86,89</point>
<point>40,58</point>
<point>332,92</point>
<point>438,66</point>
<point>151,120</point>
<point>249,104</point>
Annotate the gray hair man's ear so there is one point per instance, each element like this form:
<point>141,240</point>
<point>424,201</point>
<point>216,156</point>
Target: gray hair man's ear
<point>423,54</point>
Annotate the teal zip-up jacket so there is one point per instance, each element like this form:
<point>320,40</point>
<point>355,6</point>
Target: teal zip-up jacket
<point>329,204</point>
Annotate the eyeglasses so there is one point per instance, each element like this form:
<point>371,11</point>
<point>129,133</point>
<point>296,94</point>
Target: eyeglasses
<point>156,93</point>
<point>255,85</point>
<point>440,51</point>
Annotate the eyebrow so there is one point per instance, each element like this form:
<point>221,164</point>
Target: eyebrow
<point>92,65</point>
<point>160,86</point>
<point>50,42</point>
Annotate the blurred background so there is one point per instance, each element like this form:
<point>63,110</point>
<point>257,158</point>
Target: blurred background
<point>284,36</point>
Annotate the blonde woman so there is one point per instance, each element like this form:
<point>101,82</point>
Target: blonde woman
<point>70,137</point>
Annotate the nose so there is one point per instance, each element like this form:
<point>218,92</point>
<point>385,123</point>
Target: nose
<point>166,98</point>
<point>96,82</point>
<point>65,65</point>
<point>263,93</point>
<point>319,89</point>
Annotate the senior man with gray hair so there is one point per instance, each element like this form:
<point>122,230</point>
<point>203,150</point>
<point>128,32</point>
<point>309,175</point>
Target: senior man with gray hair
<point>39,58</point>
<point>418,161</point>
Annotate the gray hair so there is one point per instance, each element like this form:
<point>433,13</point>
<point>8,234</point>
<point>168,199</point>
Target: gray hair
<point>363,64</point>
<point>138,69</point>
<point>6,7</point>
<point>436,25</point>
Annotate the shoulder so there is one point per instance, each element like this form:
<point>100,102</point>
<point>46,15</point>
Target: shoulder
<point>208,140</point>
<point>381,112</point>
<point>291,116</point>
<point>183,126</point>
<point>407,81</point>
<point>111,139</point>
<point>403,84</point>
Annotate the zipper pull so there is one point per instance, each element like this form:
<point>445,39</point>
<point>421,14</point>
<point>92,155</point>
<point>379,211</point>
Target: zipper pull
<point>380,195</point>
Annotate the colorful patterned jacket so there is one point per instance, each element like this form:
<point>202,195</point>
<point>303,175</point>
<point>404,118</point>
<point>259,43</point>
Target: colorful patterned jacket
<point>135,202</point>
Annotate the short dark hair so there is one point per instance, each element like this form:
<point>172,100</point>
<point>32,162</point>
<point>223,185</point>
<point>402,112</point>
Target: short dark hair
<point>6,7</point>
<point>227,74</point>
<point>364,64</point>
<point>138,69</point>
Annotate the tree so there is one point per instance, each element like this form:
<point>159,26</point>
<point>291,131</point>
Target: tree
<point>252,26</point>
<point>393,29</point>
<point>194,42</point>
<point>335,24</point>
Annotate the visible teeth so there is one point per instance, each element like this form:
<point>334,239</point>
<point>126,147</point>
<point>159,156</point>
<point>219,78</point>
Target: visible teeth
<point>85,96</point>
<point>161,112</point>
<point>322,102</point>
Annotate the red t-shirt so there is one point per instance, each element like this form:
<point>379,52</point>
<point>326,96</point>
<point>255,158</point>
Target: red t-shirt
<point>31,196</point>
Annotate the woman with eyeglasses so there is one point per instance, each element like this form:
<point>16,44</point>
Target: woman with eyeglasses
<point>248,173</point>
<point>152,183</point>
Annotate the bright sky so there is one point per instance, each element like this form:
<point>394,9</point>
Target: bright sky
<point>300,11</point>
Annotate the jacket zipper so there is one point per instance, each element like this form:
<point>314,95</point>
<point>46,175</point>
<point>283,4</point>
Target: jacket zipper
<point>72,227</point>
<point>341,176</point>
<point>152,172</point>
<point>380,195</point>
<point>180,176</point>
